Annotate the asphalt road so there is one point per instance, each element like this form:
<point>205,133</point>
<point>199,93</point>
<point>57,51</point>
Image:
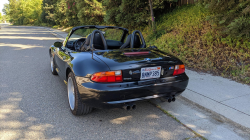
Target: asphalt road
<point>33,102</point>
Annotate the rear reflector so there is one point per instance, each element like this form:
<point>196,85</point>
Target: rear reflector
<point>135,53</point>
<point>107,77</point>
<point>179,69</point>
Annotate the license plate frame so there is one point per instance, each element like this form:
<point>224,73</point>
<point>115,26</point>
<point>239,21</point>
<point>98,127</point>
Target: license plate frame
<point>150,72</point>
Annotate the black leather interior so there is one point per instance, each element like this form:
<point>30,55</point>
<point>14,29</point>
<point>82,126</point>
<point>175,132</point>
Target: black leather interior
<point>137,42</point>
<point>87,42</point>
<point>113,44</point>
<point>98,42</point>
<point>127,43</point>
<point>85,46</point>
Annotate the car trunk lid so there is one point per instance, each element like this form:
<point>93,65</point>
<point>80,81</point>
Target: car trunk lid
<point>133,61</point>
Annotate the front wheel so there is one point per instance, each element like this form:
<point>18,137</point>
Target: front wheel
<point>76,105</point>
<point>52,65</point>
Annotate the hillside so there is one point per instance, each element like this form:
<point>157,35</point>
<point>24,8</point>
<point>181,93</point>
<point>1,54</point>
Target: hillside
<point>186,33</point>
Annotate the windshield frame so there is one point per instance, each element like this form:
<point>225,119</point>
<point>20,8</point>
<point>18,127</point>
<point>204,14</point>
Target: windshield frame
<point>125,31</point>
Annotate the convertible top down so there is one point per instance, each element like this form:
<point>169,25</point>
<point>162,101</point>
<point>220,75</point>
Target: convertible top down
<point>107,67</point>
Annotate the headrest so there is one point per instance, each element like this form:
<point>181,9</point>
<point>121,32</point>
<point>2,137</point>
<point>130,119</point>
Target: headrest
<point>137,42</point>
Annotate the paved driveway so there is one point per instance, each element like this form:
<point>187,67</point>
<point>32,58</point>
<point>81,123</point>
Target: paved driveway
<point>33,102</point>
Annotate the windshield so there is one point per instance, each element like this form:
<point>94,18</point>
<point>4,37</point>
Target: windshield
<point>80,33</point>
<point>109,34</point>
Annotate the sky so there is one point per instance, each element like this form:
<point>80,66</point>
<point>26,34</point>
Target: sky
<point>2,2</point>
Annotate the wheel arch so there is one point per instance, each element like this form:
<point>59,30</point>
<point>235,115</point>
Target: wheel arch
<point>50,52</point>
<point>68,70</point>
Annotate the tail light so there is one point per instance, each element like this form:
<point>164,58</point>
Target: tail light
<point>107,77</point>
<point>179,69</point>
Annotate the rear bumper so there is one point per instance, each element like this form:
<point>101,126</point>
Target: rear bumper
<point>116,95</point>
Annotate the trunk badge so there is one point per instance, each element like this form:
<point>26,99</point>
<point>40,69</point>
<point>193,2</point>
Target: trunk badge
<point>134,72</point>
<point>147,59</point>
<point>130,72</point>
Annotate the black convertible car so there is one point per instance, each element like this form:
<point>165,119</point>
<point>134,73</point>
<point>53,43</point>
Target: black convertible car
<point>107,67</point>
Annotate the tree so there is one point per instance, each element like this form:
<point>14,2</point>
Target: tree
<point>132,14</point>
<point>6,9</point>
<point>127,13</point>
<point>6,12</point>
<point>72,12</point>
<point>48,11</point>
<point>232,17</point>
<point>1,17</point>
<point>23,11</point>
<point>4,18</point>
<point>152,14</point>
<point>90,11</point>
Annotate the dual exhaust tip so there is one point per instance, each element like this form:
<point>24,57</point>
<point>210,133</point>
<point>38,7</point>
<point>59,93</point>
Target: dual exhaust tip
<point>133,106</point>
<point>171,99</point>
<point>168,99</point>
<point>129,107</point>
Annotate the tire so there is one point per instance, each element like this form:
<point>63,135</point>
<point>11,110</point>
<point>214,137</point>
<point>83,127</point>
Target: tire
<point>52,65</point>
<point>76,105</point>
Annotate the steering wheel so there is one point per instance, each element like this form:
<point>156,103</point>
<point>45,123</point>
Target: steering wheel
<point>78,43</point>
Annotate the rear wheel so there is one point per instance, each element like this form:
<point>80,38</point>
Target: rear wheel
<point>52,65</point>
<point>77,107</point>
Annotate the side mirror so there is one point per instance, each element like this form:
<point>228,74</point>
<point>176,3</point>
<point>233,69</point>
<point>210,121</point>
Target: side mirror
<point>58,44</point>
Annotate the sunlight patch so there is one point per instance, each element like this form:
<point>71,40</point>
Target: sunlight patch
<point>19,46</point>
<point>33,38</point>
<point>120,120</point>
<point>9,135</point>
<point>153,116</point>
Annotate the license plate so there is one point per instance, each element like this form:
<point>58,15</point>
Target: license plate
<point>150,72</point>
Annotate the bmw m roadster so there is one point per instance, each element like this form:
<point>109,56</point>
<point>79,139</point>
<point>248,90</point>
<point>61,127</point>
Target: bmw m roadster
<point>109,67</point>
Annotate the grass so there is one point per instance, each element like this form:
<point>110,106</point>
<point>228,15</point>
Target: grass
<point>187,34</point>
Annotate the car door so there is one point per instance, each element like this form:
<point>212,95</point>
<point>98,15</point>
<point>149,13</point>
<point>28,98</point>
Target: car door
<point>63,53</point>
<point>61,57</point>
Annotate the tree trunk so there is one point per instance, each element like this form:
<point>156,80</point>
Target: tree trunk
<point>152,15</point>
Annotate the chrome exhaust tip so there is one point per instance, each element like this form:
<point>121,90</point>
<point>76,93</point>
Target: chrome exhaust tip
<point>169,100</point>
<point>133,106</point>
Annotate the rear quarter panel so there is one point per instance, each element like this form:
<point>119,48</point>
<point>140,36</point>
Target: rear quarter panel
<point>82,64</point>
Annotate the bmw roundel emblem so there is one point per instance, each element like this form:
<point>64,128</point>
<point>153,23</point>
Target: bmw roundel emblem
<point>130,72</point>
<point>147,59</point>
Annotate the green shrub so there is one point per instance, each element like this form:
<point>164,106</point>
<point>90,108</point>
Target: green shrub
<point>232,17</point>
<point>187,34</point>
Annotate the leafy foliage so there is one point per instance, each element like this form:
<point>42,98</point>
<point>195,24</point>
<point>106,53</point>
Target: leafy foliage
<point>124,13</point>
<point>48,11</point>
<point>23,11</point>
<point>71,13</point>
<point>90,11</point>
<point>187,34</point>
<point>130,14</point>
<point>231,16</point>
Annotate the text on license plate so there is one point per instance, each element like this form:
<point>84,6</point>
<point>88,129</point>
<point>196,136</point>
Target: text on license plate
<point>150,72</point>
